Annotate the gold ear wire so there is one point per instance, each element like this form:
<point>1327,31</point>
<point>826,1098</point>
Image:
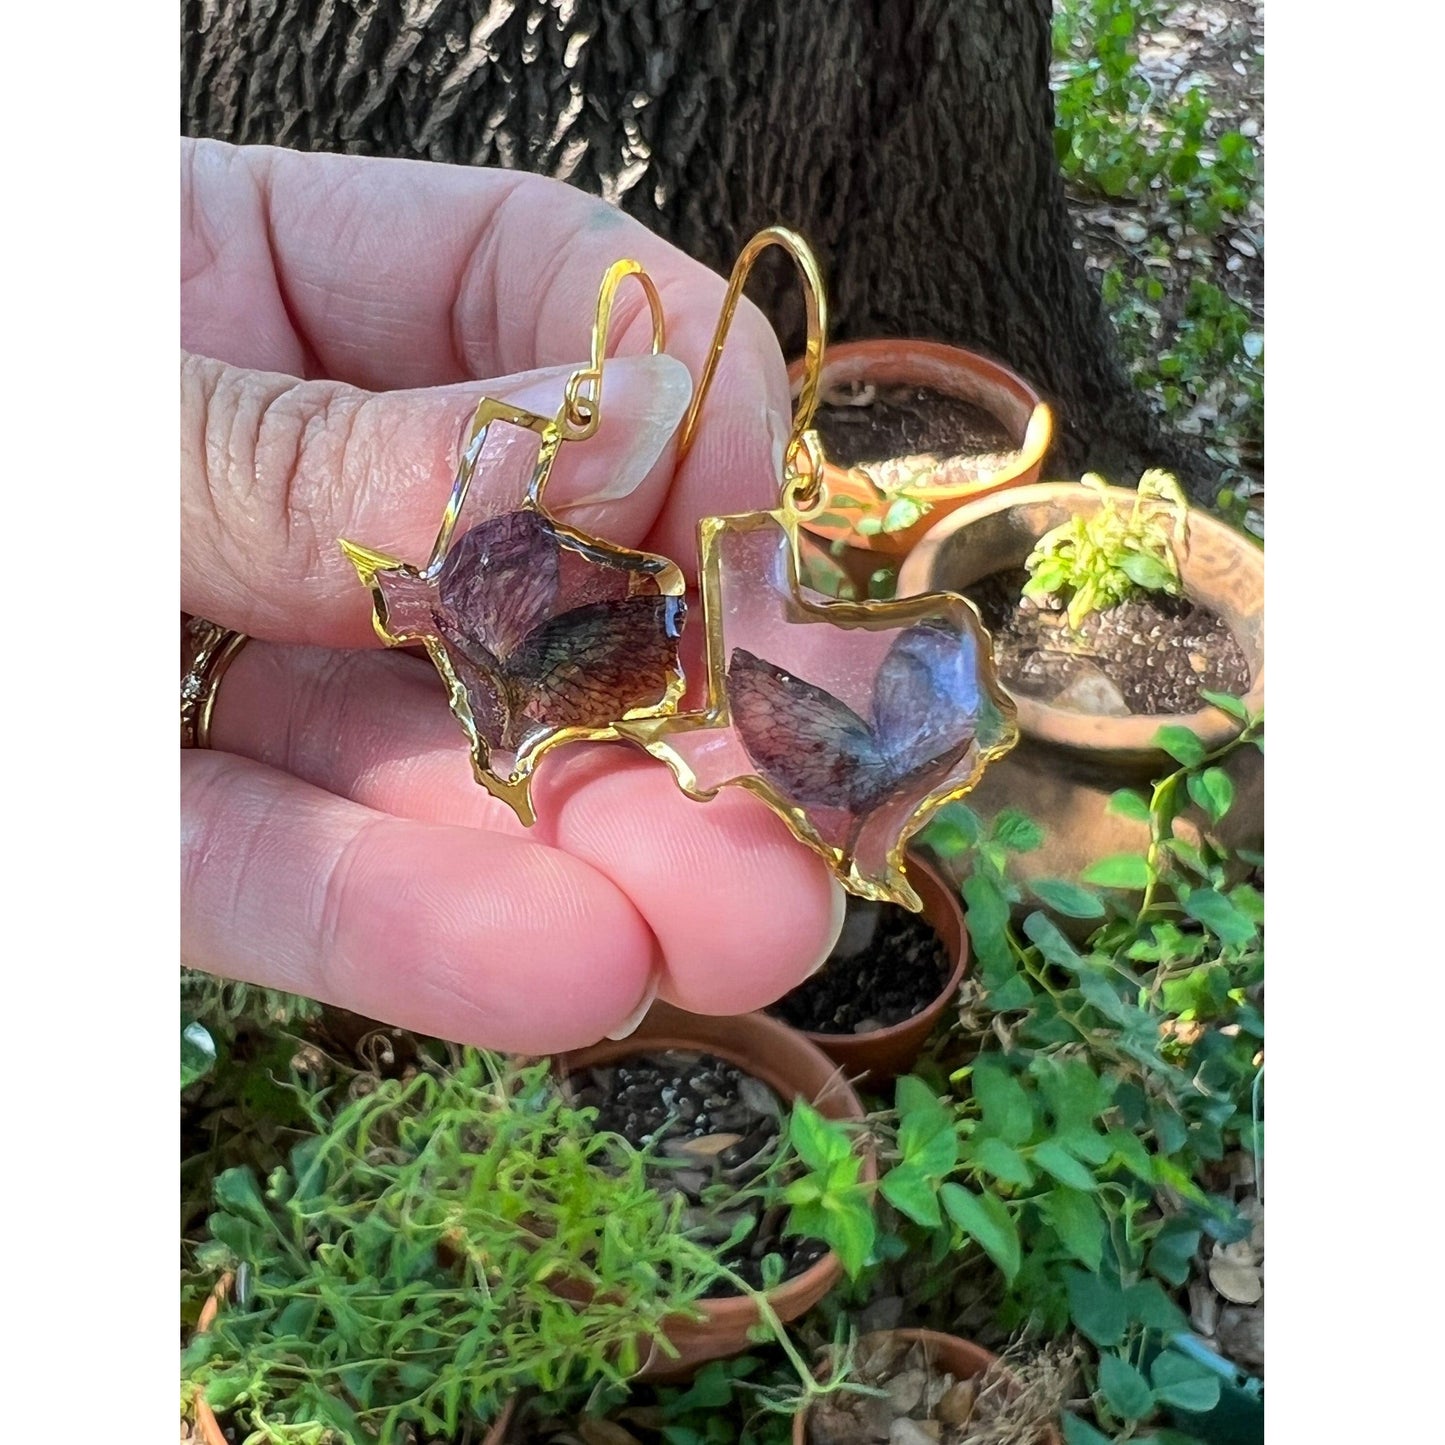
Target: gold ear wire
<point>582,409</point>
<point>817,311</point>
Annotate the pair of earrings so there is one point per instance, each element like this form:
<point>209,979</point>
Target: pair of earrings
<point>854,721</point>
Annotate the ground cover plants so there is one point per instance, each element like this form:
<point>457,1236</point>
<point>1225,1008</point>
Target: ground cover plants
<point>1158,131</point>
<point>1049,1174</point>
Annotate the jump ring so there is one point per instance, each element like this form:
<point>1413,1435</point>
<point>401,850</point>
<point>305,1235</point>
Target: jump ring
<point>207,650</point>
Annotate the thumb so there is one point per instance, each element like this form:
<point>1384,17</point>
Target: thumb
<point>274,471</point>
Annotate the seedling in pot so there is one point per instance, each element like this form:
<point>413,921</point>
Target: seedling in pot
<point>1091,563</point>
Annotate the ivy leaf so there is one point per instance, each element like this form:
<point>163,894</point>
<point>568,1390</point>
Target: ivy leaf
<point>1126,803</point>
<point>987,918</point>
<point>987,1221</point>
<point>908,1190</point>
<point>1057,949</point>
<point>1119,870</point>
<point>1067,898</point>
<point>1180,744</point>
<point>819,1142</point>
<point>1053,1157</point>
<point>1213,790</point>
<point>1125,1390</point>
<point>1008,1112</point>
<point>1184,1383</point>
<point>1078,1222</point>
<point>1016,831</point>
<point>1007,1165</point>
<point>1211,908</point>
<point>1096,1306</point>
<point>1226,703</point>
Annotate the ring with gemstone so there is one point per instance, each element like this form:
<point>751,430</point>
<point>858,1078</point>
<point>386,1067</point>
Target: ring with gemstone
<point>207,650</point>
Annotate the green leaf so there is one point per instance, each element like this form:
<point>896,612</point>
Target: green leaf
<point>1078,1222</point>
<point>1016,993</point>
<point>1184,1383</point>
<point>1126,803</point>
<point>1172,1252</point>
<point>1008,1112</point>
<point>1080,1432</point>
<point>1119,870</point>
<point>902,513</point>
<point>1180,744</point>
<point>1096,1306</point>
<point>819,1142</point>
<point>1213,790</point>
<point>1226,703</point>
<point>198,1053</point>
<point>1016,831</point>
<point>851,1230</point>
<point>1125,1390</point>
<point>1067,898</point>
<point>907,1189</point>
<point>1053,1157</point>
<point>237,1192</point>
<point>1147,572</point>
<point>1149,1306</point>
<point>987,1221</point>
<point>1057,949</point>
<point>1220,916</point>
<point>987,918</point>
<point>1131,1153</point>
<point>1007,1165</point>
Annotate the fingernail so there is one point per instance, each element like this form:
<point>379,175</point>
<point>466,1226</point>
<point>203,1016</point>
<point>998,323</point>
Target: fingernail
<point>643,400</point>
<point>840,912</point>
<point>629,1025</point>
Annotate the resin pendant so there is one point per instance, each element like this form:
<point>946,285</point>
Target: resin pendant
<point>542,634</point>
<point>854,721</point>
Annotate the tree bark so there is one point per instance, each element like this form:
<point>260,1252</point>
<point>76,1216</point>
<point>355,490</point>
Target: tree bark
<point>911,141</point>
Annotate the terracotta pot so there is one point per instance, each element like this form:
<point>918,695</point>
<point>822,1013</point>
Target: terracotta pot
<point>888,1052</point>
<point>1067,763</point>
<point>793,1068</point>
<point>948,1354</point>
<point>950,369</point>
<point>210,1428</point>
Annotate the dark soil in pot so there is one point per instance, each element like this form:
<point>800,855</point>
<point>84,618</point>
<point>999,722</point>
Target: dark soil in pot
<point>712,1124</point>
<point>1151,655</point>
<point>888,965</point>
<point>902,421</point>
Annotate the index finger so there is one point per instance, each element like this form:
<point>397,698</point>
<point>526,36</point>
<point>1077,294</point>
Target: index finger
<point>392,273</point>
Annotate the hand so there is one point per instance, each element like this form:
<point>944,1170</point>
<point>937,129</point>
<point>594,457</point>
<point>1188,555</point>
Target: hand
<point>337,314</point>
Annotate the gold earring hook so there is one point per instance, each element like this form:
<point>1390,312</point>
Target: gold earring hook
<point>816,301</point>
<point>582,409</point>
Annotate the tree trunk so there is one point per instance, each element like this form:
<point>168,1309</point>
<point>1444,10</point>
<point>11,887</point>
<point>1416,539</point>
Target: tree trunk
<point>911,141</point>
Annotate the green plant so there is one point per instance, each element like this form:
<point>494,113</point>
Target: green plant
<point>1097,561</point>
<point>1113,1073</point>
<point>1115,136</point>
<point>410,1263</point>
<point>441,1241</point>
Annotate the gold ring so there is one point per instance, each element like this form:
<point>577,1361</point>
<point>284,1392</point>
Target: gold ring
<point>206,652</point>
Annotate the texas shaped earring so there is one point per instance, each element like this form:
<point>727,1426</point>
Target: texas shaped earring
<point>542,634</point>
<point>854,721</point>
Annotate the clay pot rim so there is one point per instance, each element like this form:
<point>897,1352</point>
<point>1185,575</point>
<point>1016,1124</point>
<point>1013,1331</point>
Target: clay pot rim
<point>1060,727</point>
<point>937,1341</point>
<point>918,354</point>
<point>932,1010</point>
<point>825,1271</point>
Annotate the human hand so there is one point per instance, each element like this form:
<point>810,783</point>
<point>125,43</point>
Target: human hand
<point>336,313</point>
